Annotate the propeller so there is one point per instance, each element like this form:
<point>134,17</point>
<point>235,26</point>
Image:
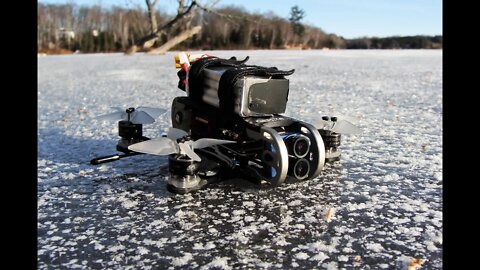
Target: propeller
<point>352,119</point>
<point>336,125</point>
<point>139,115</point>
<point>175,133</point>
<point>169,145</point>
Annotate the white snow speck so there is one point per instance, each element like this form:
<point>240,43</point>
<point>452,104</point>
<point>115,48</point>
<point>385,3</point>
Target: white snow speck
<point>376,247</point>
<point>142,250</point>
<point>218,262</point>
<point>248,204</point>
<point>343,258</point>
<point>301,256</point>
<point>320,257</point>
<point>181,261</point>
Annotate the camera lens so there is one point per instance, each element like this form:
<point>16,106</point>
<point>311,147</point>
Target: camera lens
<point>297,144</point>
<point>301,169</point>
<point>301,146</point>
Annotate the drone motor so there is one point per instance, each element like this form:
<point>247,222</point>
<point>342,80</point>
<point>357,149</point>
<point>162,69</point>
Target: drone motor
<point>183,173</point>
<point>332,141</point>
<point>128,130</point>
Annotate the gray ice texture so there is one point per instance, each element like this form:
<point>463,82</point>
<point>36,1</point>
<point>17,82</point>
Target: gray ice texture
<point>385,194</point>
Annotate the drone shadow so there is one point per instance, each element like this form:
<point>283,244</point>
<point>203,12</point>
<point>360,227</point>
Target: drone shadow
<point>59,154</point>
<point>133,173</point>
<point>55,146</point>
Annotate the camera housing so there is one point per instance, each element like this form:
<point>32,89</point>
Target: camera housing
<point>250,95</point>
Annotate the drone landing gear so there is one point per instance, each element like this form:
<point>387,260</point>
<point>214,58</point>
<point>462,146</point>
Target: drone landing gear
<point>187,175</point>
<point>122,146</point>
<point>111,158</point>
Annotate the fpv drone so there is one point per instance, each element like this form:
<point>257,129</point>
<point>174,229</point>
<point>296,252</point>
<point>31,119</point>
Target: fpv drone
<point>230,124</point>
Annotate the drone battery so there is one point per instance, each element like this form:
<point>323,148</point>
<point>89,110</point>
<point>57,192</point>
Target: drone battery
<point>253,95</point>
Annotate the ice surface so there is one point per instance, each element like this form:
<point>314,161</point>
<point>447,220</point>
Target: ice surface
<point>386,190</point>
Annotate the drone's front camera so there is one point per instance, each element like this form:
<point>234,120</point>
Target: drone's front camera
<point>301,146</point>
<point>297,144</point>
<point>300,168</point>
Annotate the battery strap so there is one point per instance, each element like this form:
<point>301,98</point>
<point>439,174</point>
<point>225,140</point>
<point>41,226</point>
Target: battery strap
<point>195,73</point>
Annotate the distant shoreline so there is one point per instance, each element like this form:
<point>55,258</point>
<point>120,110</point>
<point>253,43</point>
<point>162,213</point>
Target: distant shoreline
<point>69,28</point>
<point>66,52</point>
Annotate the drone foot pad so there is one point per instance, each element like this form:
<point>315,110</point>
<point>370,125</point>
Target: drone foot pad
<point>332,159</point>
<point>176,190</point>
<point>201,184</point>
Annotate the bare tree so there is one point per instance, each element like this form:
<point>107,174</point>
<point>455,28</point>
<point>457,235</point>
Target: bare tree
<point>93,29</point>
<point>151,14</point>
<point>186,11</point>
<point>148,40</point>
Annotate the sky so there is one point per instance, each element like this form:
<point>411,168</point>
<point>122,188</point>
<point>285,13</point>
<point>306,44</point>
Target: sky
<point>346,18</point>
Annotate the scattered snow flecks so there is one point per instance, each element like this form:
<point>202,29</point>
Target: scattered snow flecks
<point>386,191</point>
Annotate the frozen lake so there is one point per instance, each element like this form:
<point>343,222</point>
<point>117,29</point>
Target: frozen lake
<point>386,192</point>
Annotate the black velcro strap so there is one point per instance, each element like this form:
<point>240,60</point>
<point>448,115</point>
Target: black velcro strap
<point>195,73</point>
<point>182,79</point>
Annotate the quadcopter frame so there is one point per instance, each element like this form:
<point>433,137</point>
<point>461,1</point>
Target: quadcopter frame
<point>261,151</point>
<point>268,146</point>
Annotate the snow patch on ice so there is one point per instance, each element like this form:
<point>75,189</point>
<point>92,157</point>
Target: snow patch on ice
<point>218,262</point>
<point>301,256</point>
<point>376,247</point>
<point>184,260</point>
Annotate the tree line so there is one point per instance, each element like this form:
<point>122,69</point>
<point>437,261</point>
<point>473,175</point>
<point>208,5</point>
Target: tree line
<point>70,27</point>
<point>396,42</point>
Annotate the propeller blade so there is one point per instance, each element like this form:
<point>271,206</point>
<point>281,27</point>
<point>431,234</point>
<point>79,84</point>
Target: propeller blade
<point>205,142</point>
<point>160,146</point>
<point>342,126</point>
<point>118,109</point>
<point>115,116</point>
<point>322,124</point>
<point>186,150</point>
<point>153,112</point>
<point>345,127</point>
<point>141,117</point>
<point>175,133</point>
<point>352,119</point>
<point>319,123</point>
